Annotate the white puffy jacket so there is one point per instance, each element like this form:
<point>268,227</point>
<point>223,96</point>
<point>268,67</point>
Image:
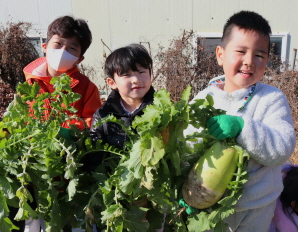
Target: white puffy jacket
<point>268,136</point>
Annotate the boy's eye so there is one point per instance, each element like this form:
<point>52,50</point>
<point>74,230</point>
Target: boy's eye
<point>260,56</point>
<point>240,51</point>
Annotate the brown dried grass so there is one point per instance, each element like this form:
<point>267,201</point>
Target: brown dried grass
<point>16,51</point>
<point>286,79</point>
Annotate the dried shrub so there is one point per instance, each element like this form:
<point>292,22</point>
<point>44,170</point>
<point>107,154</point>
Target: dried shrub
<point>279,75</point>
<point>16,51</point>
<point>180,65</point>
<point>93,73</point>
<point>6,96</point>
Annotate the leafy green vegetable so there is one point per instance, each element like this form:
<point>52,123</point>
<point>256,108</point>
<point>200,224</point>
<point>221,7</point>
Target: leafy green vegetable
<point>156,167</point>
<point>151,168</point>
<point>35,156</point>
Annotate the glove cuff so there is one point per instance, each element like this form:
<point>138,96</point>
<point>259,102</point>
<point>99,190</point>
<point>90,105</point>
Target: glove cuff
<point>241,122</point>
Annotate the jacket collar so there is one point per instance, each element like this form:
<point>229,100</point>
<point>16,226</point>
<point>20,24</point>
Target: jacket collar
<point>113,105</point>
<point>37,70</point>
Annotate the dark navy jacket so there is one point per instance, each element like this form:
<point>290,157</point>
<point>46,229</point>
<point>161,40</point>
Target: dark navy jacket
<point>110,132</point>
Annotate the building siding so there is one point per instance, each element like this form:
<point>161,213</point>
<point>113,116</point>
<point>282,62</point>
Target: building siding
<point>38,12</point>
<point>116,23</point>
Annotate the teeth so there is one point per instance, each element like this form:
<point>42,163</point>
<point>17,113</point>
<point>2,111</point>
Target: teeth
<point>245,72</point>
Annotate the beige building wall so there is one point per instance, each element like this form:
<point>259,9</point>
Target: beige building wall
<point>38,12</point>
<point>116,23</point>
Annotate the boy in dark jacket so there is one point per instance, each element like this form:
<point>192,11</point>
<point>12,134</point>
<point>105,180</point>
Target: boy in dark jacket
<point>128,71</point>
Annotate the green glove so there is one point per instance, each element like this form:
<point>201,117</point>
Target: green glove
<point>65,132</point>
<point>225,126</point>
<point>189,209</point>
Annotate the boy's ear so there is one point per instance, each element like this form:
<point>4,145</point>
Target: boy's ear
<point>44,47</point>
<point>219,55</point>
<point>111,83</point>
<point>80,60</point>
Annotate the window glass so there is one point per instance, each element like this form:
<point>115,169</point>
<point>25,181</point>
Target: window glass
<point>36,41</point>
<point>210,44</point>
<point>276,43</point>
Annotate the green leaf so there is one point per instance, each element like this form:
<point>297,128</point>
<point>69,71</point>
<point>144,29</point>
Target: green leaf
<point>29,92</point>
<point>128,182</point>
<point>133,220</point>
<point>186,95</point>
<point>57,218</point>
<point>61,83</point>
<point>134,162</point>
<point>221,227</point>
<point>23,194</point>
<point>112,211</point>
<point>209,98</point>
<point>71,188</point>
<point>161,98</point>
<point>3,206</point>
<point>21,214</point>
<point>6,225</point>
<point>151,151</point>
<point>156,219</point>
<point>199,223</point>
<point>174,157</point>
<point>220,213</point>
<point>25,212</point>
<point>119,225</point>
<point>148,179</point>
<point>148,119</point>
<point>6,188</point>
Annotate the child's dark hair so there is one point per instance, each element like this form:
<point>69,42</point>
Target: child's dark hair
<point>67,27</point>
<point>290,191</point>
<point>123,59</point>
<point>247,20</point>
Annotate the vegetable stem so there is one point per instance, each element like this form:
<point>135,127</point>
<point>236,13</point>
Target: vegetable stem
<point>178,214</point>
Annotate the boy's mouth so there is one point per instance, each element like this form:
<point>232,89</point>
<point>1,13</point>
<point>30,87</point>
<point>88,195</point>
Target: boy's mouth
<point>245,73</point>
<point>137,87</point>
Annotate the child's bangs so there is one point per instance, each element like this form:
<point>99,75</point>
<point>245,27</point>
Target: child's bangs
<point>125,64</point>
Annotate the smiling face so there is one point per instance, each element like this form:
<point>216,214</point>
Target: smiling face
<point>244,59</point>
<point>132,86</point>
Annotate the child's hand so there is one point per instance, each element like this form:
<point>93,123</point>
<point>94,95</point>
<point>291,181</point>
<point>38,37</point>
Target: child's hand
<point>225,126</point>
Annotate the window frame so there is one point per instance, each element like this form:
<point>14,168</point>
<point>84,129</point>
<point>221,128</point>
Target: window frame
<point>41,39</point>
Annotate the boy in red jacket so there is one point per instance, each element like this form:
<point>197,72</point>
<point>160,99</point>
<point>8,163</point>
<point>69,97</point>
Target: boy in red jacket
<point>67,41</point>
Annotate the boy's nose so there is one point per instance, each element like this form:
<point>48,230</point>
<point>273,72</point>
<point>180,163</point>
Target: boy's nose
<point>135,78</point>
<point>248,61</point>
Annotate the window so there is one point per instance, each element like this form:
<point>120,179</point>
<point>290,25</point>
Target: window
<point>37,41</point>
<point>281,45</point>
<point>280,40</point>
<point>209,40</point>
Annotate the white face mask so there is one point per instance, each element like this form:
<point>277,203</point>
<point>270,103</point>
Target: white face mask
<point>60,60</point>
